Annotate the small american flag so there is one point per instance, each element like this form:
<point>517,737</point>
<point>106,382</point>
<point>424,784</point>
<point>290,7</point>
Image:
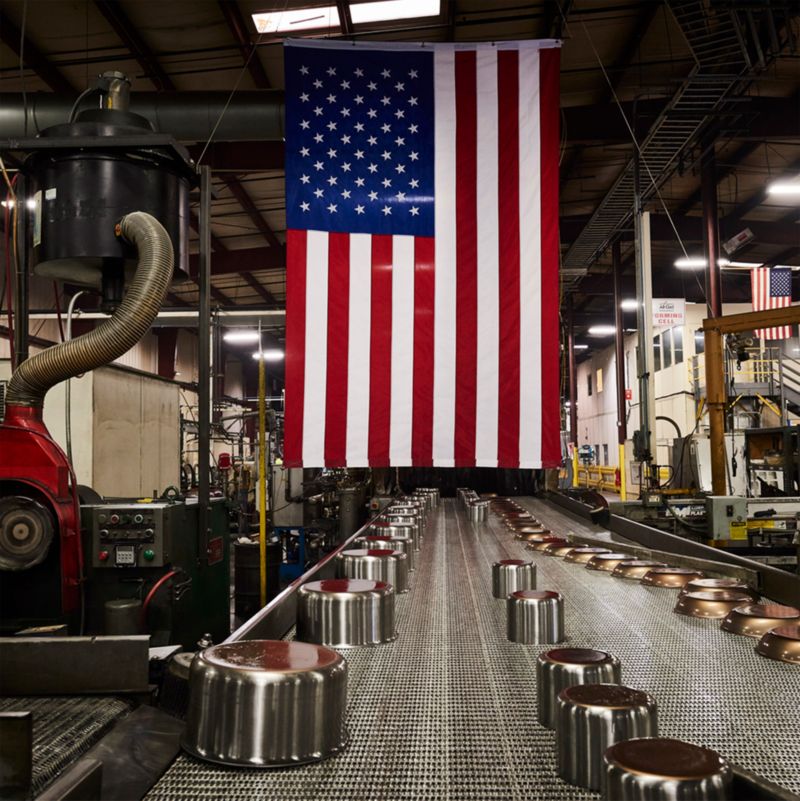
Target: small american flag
<point>422,254</point>
<point>772,289</point>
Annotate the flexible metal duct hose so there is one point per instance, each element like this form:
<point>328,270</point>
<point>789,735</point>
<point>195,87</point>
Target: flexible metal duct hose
<point>129,323</point>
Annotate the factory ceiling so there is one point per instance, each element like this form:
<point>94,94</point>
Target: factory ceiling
<point>623,66</point>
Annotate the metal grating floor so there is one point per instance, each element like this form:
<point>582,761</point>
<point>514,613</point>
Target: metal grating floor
<point>64,728</point>
<point>448,711</point>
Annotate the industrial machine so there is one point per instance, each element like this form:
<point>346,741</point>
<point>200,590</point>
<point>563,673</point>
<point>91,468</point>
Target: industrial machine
<point>107,208</point>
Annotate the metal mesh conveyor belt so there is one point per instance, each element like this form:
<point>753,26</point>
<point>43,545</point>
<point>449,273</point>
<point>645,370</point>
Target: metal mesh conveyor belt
<point>64,728</point>
<point>448,711</point>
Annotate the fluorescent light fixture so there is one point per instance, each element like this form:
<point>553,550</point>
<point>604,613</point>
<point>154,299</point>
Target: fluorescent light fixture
<point>690,263</point>
<point>7,204</point>
<point>580,347</point>
<point>297,19</point>
<point>629,304</point>
<point>243,336</point>
<point>270,355</point>
<point>789,188</point>
<point>602,330</point>
<point>385,10</point>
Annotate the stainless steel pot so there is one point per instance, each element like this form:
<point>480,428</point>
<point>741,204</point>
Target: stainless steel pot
<point>560,668</point>
<point>266,703</point>
<point>378,564</point>
<point>663,769</point>
<point>343,613</point>
<point>384,529</point>
<point>396,542</point>
<point>535,617</point>
<point>478,511</point>
<point>509,575</point>
<point>592,717</point>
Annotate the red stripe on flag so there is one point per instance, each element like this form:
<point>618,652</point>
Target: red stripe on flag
<point>466,258</point>
<point>380,355</point>
<point>549,121</point>
<point>338,323</point>
<point>422,415</point>
<point>509,280</point>
<point>295,347</point>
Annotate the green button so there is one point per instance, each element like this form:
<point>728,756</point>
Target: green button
<point>149,554</point>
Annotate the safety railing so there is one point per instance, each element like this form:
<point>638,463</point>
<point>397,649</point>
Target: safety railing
<point>599,477</point>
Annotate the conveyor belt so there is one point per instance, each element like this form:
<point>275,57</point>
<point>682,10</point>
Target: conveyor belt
<point>448,711</point>
<point>64,728</point>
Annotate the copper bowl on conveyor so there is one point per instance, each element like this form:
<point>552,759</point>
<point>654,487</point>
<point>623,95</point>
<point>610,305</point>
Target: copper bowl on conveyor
<point>541,544</point>
<point>670,577</point>
<point>536,536</point>
<point>716,584</point>
<point>607,561</point>
<point>781,643</point>
<point>634,569</point>
<point>557,549</point>
<point>755,620</point>
<point>709,604</point>
<point>582,555</point>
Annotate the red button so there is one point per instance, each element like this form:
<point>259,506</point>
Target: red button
<point>115,519</point>
<point>103,556</point>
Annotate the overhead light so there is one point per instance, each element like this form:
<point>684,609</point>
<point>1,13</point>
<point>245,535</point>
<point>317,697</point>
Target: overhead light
<point>785,188</point>
<point>385,10</point>
<point>690,263</point>
<point>7,204</point>
<point>242,337</point>
<point>296,19</point>
<point>602,330</point>
<point>629,304</point>
<point>580,347</point>
<point>272,355</point>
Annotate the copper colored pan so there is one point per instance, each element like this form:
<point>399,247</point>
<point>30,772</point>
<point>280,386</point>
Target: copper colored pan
<point>714,584</point>
<point>606,561</point>
<point>755,620</point>
<point>709,604</point>
<point>558,549</point>
<point>781,643</point>
<point>537,536</point>
<point>545,541</point>
<point>672,577</point>
<point>582,555</point>
<point>634,568</point>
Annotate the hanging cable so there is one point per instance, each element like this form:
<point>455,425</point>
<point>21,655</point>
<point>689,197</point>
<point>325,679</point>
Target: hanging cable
<point>68,388</point>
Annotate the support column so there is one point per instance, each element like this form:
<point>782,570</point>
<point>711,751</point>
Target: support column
<point>708,188</point>
<point>619,343</point>
<point>167,339</point>
<point>21,343</point>
<point>573,390</point>
<point>715,399</point>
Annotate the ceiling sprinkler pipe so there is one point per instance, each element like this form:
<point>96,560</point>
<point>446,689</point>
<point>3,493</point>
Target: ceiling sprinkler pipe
<point>35,377</point>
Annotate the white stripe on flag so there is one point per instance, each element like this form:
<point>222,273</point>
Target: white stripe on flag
<point>487,389</point>
<point>358,350</point>
<point>402,397</point>
<point>530,261</point>
<point>316,349</point>
<point>444,338</point>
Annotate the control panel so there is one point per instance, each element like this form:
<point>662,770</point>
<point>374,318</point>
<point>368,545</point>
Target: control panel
<point>130,534</point>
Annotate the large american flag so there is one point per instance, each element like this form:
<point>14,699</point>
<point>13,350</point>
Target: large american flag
<point>772,289</point>
<point>422,254</point>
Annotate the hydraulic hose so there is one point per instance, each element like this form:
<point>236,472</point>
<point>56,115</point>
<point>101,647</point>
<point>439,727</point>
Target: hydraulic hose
<point>130,322</point>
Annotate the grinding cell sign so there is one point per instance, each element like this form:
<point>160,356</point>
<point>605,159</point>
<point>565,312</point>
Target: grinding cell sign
<point>668,312</point>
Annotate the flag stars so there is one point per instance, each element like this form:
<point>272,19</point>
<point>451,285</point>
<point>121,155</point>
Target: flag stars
<point>318,193</point>
<point>359,182</point>
<point>359,73</point>
<point>304,70</point>
<point>359,127</point>
<point>331,207</point>
<point>414,183</point>
<point>413,128</point>
<point>319,165</point>
<point>372,113</point>
<point>386,155</point>
<point>346,194</point>
<point>346,139</point>
<point>345,84</point>
<point>359,154</point>
<point>373,168</point>
<point>319,137</point>
<point>414,211</point>
<point>399,114</point>
<point>305,124</point>
<point>304,97</point>
<point>400,196</point>
<point>358,99</point>
<point>318,110</point>
<point>412,101</point>
<point>359,209</point>
<point>304,179</point>
<point>331,98</point>
<point>305,205</point>
<point>346,166</point>
<point>373,195</point>
<point>387,182</point>
<point>413,74</point>
<point>386,74</point>
<point>400,86</point>
<point>372,140</point>
<point>400,168</point>
<point>400,141</point>
<point>331,153</point>
<point>304,151</point>
<point>332,180</point>
<point>413,155</point>
<point>386,100</point>
<point>318,84</point>
<point>386,127</point>
<point>331,126</point>
<point>372,86</point>
<point>331,71</point>
<point>387,210</point>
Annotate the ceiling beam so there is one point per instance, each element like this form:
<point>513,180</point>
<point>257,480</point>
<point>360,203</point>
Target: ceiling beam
<point>34,59</point>
<point>753,202</point>
<point>246,202</point>
<point>345,17</point>
<point>140,50</point>
<point>238,28</point>
<point>265,294</point>
<point>246,260</point>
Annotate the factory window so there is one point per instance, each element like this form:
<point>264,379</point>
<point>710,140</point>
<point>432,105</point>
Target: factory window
<point>597,455</point>
<point>699,341</point>
<point>677,342</point>
<point>599,379</point>
<point>588,383</point>
<point>605,454</point>
<point>656,353</point>
<point>666,348</point>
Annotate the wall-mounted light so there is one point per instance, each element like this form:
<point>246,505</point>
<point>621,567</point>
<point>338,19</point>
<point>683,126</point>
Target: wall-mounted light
<point>270,355</point>
<point>629,304</point>
<point>602,330</point>
<point>690,263</point>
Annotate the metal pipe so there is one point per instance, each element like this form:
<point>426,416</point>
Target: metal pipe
<point>21,344</point>
<point>204,366</point>
<point>32,379</point>
<point>619,345</point>
<point>188,116</point>
<point>708,187</point>
<point>573,389</point>
<point>715,400</point>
